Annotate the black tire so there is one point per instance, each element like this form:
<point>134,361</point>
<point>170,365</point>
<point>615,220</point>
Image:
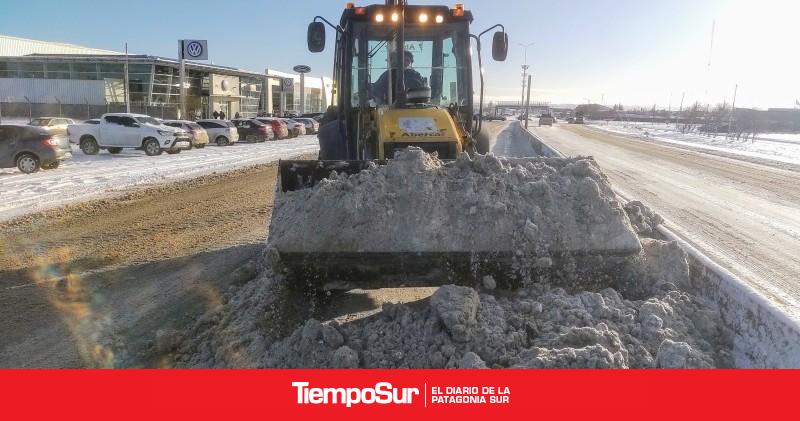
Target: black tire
<point>174,152</point>
<point>151,147</point>
<point>51,166</point>
<point>201,146</point>
<point>89,146</point>
<point>114,151</point>
<point>222,141</point>
<point>28,163</point>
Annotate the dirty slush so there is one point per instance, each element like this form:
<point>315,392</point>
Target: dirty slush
<point>572,313</point>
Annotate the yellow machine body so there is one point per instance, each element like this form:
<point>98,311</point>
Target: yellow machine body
<point>429,128</point>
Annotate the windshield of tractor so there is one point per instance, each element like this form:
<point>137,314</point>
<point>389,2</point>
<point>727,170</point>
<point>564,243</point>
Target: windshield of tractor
<point>436,57</point>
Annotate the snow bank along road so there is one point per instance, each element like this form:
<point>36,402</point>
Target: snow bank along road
<point>783,148</point>
<point>85,177</point>
<point>744,215</point>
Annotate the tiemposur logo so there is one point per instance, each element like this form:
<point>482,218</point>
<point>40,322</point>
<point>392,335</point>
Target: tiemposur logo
<point>382,394</point>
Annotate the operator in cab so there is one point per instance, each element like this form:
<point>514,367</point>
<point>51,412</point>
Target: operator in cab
<point>413,80</point>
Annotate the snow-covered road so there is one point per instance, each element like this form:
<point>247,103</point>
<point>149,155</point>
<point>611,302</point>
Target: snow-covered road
<point>744,215</point>
<point>87,177</point>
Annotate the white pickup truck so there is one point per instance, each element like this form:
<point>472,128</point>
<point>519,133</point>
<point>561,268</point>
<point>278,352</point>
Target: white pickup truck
<point>121,130</point>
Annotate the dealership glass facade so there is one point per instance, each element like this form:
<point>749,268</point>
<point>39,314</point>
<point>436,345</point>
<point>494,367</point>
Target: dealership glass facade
<point>153,82</point>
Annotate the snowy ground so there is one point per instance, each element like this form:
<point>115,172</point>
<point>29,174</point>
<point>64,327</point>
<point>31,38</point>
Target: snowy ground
<point>86,177</point>
<point>781,147</point>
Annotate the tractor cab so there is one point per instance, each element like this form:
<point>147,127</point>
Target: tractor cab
<point>403,77</point>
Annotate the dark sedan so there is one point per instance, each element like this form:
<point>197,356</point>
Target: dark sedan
<point>251,130</point>
<point>29,148</point>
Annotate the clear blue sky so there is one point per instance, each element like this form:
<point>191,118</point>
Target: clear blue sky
<point>629,51</point>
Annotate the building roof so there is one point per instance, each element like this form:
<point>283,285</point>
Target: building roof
<point>14,46</point>
<point>135,58</point>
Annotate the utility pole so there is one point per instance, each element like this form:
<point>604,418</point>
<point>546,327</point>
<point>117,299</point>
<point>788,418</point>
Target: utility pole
<point>528,103</point>
<point>680,110</point>
<point>127,83</point>
<point>733,109</point>
<point>181,81</point>
<point>524,70</point>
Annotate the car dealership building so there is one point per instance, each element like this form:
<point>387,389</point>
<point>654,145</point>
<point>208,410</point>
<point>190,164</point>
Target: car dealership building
<point>39,78</point>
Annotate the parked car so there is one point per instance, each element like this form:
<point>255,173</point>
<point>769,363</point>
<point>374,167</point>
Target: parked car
<point>199,137</point>
<point>54,125</point>
<point>30,148</point>
<point>312,126</point>
<point>252,130</point>
<point>92,121</point>
<point>315,116</point>
<point>490,117</point>
<point>546,120</point>
<point>221,132</point>
<point>295,128</point>
<point>279,127</point>
<point>122,130</point>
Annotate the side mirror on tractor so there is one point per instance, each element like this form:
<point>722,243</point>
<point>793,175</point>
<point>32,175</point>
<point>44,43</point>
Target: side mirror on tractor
<point>499,46</point>
<point>316,37</point>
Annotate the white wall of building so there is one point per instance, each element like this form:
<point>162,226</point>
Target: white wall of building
<point>312,82</point>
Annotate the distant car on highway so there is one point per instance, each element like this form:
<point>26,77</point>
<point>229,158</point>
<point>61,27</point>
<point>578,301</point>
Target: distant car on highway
<point>546,120</point>
<point>252,130</point>
<point>494,118</point>
<point>221,132</point>
<point>199,137</point>
<point>54,125</point>
<point>30,148</point>
<point>123,130</point>
<point>92,121</point>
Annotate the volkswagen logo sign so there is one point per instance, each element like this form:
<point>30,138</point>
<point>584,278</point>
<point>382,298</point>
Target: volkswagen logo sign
<point>224,85</point>
<point>301,68</point>
<point>194,49</point>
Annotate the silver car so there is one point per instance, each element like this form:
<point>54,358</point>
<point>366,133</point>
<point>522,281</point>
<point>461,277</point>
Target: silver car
<point>221,132</point>
<point>312,126</point>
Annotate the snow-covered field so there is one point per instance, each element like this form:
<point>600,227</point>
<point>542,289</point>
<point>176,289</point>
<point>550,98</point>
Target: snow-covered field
<point>87,177</point>
<point>781,147</point>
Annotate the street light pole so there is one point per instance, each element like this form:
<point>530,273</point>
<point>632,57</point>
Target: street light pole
<point>127,83</point>
<point>524,71</point>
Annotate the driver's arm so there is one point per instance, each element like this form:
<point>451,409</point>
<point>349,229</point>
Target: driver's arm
<point>379,88</point>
